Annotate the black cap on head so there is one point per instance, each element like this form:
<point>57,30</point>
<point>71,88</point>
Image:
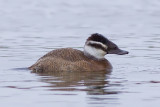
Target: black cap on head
<point>98,38</point>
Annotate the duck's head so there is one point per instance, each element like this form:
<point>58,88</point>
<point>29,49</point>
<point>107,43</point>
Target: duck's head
<point>98,46</point>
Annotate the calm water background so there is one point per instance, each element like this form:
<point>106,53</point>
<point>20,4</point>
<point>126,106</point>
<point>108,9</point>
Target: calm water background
<point>30,28</point>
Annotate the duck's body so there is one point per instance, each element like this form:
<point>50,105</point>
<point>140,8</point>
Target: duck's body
<point>68,59</point>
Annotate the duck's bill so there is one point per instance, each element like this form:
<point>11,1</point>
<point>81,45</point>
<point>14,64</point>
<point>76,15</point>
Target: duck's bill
<point>118,52</point>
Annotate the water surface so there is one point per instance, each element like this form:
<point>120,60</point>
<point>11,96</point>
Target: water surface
<point>29,29</point>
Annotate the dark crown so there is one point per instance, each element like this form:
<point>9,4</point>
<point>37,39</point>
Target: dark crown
<point>98,38</point>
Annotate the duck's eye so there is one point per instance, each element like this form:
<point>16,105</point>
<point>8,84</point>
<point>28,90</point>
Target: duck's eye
<point>115,48</point>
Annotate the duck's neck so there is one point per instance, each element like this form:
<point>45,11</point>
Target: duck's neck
<point>93,53</point>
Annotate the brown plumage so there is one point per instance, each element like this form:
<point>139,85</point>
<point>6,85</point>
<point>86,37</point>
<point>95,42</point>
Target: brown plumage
<point>68,59</point>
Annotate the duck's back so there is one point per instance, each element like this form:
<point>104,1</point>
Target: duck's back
<point>68,54</point>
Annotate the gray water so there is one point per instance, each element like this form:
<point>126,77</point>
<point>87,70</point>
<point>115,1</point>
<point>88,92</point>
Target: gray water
<point>31,28</point>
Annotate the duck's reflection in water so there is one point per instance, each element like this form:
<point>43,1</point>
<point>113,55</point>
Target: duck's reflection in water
<point>94,83</point>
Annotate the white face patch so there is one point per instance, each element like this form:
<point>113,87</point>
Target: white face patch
<point>97,53</point>
<point>94,42</point>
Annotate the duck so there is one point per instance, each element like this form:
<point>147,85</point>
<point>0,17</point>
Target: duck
<point>91,59</point>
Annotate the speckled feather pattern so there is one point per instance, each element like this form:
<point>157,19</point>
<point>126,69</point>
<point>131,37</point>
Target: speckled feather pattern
<point>68,59</point>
